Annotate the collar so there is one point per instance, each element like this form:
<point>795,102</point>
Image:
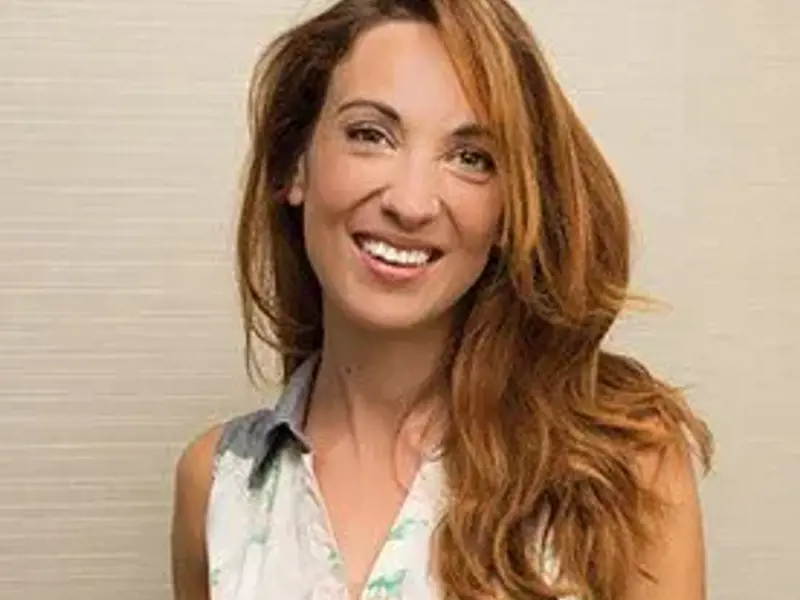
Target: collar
<point>292,406</point>
<point>287,418</point>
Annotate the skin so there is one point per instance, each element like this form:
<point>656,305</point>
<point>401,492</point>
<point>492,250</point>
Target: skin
<point>678,559</point>
<point>397,153</point>
<point>187,540</point>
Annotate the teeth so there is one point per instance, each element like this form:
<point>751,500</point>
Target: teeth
<point>390,254</point>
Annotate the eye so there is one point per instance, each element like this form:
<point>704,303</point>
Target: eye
<point>366,134</point>
<point>475,161</point>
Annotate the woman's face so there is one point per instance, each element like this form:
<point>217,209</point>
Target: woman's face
<point>398,186</point>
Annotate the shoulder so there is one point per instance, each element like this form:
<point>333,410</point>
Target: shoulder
<point>193,477</point>
<point>194,471</point>
<point>673,564</point>
<point>669,467</point>
<point>194,474</point>
<point>245,436</point>
<point>670,472</point>
<point>194,465</point>
<point>242,437</point>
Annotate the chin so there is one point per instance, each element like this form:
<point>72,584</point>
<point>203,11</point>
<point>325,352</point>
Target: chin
<point>393,318</point>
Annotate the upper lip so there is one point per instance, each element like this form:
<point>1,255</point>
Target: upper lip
<point>399,242</point>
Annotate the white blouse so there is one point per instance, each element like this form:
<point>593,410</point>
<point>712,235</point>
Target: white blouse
<point>267,528</point>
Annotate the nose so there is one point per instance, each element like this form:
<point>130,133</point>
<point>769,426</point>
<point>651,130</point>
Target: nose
<point>412,199</point>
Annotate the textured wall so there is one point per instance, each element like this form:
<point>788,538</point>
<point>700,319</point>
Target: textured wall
<point>121,132</point>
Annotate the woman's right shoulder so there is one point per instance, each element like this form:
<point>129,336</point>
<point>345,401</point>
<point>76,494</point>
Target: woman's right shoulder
<point>193,480</point>
<point>196,462</point>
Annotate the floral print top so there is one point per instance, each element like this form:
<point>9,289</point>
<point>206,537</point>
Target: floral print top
<point>267,530</point>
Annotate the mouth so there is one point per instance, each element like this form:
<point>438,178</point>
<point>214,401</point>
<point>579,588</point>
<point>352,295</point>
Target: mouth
<point>397,254</point>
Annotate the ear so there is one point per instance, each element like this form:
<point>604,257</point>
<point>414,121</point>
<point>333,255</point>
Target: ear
<point>298,187</point>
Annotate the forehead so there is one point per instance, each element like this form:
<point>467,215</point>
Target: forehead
<point>406,65</point>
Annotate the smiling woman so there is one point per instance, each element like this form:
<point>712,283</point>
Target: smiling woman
<point>401,199</point>
<point>436,248</point>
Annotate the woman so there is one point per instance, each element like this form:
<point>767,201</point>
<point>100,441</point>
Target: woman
<point>436,248</point>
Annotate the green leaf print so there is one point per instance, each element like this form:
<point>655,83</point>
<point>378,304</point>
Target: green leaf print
<point>399,531</point>
<point>385,587</point>
<point>258,537</point>
<point>333,555</point>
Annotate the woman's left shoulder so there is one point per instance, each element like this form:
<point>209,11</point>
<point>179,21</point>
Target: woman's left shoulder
<point>673,565</point>
<point>670,472</point>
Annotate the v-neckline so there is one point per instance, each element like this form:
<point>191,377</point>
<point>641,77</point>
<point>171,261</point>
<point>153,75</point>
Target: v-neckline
<point>402,518</point>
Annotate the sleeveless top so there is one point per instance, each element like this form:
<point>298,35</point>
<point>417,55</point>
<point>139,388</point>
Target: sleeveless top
<point>267,532</point>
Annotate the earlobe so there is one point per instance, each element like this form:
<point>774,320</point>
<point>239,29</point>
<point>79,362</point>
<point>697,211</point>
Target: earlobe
<point>297,189</point>
<point>295,196</point>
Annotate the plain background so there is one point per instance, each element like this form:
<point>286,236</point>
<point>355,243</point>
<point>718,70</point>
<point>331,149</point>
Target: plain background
<point>121,137</point>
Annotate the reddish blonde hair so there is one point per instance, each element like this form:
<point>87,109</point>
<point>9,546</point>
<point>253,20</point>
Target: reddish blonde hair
<point>545,428</point>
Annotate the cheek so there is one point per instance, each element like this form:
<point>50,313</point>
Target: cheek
<point>338,181</point>
<point>477,214</point>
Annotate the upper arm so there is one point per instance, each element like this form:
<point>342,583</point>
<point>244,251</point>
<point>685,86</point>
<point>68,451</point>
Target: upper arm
<point>193,478</point>
<point>676,558</point>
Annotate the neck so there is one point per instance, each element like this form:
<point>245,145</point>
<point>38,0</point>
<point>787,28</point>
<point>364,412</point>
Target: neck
<point>367,381</point>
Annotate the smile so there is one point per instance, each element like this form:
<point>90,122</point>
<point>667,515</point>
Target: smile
<point>396,256</point>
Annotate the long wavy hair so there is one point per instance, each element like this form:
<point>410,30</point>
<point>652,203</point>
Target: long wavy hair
<point>544,427</point>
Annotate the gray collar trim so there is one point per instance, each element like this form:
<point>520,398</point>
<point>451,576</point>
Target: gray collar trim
<point>285,420</point>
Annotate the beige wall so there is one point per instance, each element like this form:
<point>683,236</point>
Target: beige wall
<point>121,130</point>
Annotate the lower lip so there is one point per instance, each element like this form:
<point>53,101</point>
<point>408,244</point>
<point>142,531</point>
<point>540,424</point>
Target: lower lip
<point>391,273</point>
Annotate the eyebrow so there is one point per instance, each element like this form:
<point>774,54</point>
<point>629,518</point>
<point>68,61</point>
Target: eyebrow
<point>381,107</point>
<point>469,130</point>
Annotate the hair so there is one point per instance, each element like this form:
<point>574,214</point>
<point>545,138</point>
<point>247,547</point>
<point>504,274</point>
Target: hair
<point>544,443</point>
